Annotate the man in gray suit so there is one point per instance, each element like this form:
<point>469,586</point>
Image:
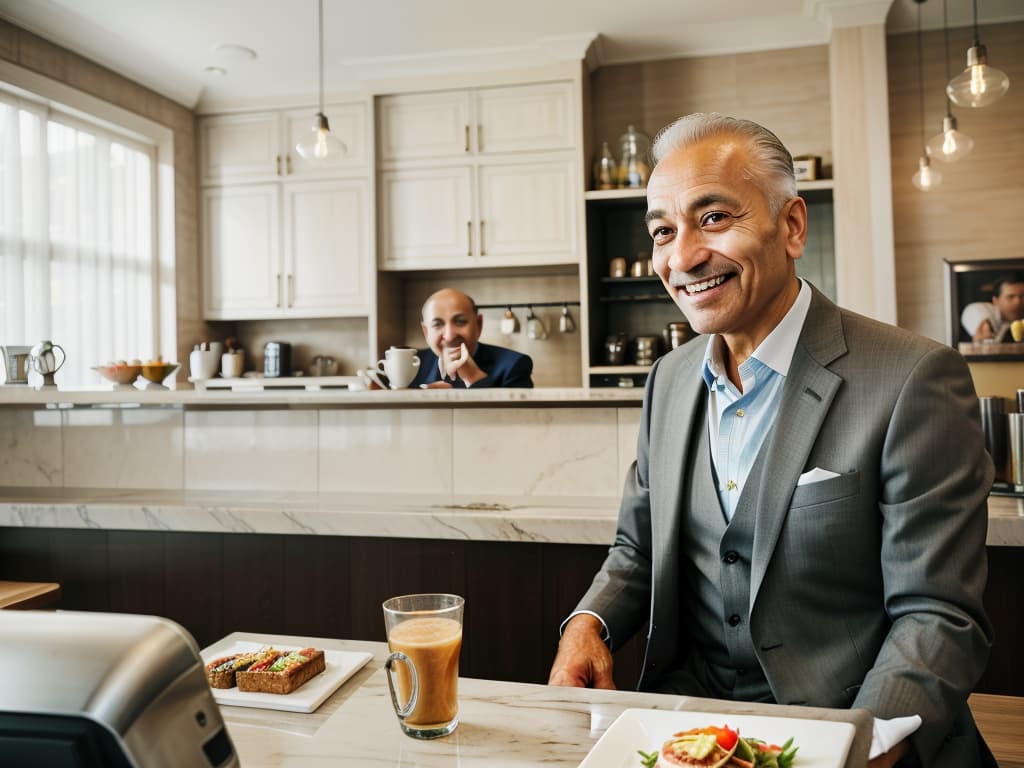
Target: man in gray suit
<point>805,521</point>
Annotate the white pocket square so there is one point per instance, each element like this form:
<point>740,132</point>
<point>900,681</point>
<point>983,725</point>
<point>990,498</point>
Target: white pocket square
<point>816,475</point>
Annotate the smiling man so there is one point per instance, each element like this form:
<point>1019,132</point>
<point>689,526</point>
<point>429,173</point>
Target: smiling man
<point>456,357</point>
<point>795,528</point>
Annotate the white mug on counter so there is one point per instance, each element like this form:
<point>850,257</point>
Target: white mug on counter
<point>400,365</point>
<point>232,364</point>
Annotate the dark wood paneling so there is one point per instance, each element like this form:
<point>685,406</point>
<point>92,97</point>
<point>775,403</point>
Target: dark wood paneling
<point>193,583</point>
<point>516,594</point>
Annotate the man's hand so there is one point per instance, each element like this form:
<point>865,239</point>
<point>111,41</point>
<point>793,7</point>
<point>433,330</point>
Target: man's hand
<point>890,758</point>
<point>458,363</point>
<point>583,660</point>
<point>984,331</point>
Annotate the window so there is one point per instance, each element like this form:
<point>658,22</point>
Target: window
<point>78,259</point>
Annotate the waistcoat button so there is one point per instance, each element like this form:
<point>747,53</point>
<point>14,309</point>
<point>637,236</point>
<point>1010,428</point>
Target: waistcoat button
<point>734,620</point>
<point>730,557</point>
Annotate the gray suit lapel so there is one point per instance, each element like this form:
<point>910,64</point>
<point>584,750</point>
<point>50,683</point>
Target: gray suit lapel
<point>806,398</point>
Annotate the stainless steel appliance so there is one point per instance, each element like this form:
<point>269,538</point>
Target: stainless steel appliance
<point>86,690</point>
<point>277,359</point>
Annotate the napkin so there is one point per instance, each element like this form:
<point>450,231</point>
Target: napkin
<point>886,734</point>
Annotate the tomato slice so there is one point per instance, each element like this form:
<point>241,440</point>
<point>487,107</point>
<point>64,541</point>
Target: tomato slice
<point>726,737</point>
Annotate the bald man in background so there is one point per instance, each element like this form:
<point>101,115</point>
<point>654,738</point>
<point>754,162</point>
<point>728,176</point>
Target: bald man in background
<point>451,326</point>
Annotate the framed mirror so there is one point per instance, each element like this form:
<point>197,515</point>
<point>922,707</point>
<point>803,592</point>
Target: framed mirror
<point>989,291</point>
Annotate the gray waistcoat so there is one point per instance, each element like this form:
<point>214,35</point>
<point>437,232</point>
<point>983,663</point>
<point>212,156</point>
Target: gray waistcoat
<point>715,581</point>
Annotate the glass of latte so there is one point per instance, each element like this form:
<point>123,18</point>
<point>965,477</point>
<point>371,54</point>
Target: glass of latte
<point>424,637</point>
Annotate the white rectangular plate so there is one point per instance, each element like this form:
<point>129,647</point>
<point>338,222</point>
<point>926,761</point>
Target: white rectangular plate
<point>341,665</point>
<point>823,743</point>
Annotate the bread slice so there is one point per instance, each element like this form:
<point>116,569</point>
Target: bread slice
<point>284,674</point>
<point>222,672</point>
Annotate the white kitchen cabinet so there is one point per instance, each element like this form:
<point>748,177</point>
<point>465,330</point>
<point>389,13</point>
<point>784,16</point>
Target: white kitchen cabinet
<point>260,146</point>
<point>283,237</point>
<point>480,178</point>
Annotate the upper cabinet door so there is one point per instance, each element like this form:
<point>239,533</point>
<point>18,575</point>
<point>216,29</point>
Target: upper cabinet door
<point>424,125</point>
<point>239,148</point>
<point>327,244</point>
<point>526,118</point>
<point>348,123</point>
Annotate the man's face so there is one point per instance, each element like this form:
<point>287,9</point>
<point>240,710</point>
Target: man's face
<point>722,256</point>
<point>448,321</point>
<point>1010,301</point>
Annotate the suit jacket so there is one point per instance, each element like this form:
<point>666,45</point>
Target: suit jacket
<point>866,588</point>
<point>504,367</point>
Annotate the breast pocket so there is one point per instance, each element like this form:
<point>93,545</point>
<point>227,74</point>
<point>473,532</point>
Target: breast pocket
<point>826,491</point>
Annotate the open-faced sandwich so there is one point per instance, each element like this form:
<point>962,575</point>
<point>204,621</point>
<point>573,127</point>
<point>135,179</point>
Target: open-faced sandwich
<point>267,670</point>
<point>283,674</point>
<point>714,747</point>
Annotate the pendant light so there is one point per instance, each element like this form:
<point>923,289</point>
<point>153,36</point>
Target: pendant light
<point>321,143</point>
<point>979,85</point>
<point>950,145</point>
<point>926,178</point>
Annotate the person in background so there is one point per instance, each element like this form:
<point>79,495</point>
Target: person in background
<point>985,320</point>
<point>797,527</point>
<point>456,357</point>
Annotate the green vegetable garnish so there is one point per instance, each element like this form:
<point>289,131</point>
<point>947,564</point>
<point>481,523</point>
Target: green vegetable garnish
<point>650,759</point>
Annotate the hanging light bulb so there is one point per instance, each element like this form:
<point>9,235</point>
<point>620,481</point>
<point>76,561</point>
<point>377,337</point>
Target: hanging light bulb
<point>321,143</point>
<point>979,85</point>
<point>926,178</point>
<point>950,145</point>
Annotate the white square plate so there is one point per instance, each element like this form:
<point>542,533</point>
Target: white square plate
<point>822,743</point>
<point>340,666</point>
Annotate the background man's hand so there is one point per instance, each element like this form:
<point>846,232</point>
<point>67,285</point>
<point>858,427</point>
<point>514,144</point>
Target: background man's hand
<point>583,659</point>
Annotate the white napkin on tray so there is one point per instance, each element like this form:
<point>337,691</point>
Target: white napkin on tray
<point>886,734</point>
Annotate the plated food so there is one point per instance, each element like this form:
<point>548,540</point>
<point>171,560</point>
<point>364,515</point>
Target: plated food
<point>267,670</point>
<point>718,747</point>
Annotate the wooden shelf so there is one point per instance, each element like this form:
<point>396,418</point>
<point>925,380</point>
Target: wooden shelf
<point>643,279</point>
<point>639,297</point>
<point>615,194</point>
<point>619,369</point>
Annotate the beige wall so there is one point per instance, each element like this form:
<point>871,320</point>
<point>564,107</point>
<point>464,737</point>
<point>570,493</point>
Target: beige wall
<point>35,54</point>
<point>978,211</point>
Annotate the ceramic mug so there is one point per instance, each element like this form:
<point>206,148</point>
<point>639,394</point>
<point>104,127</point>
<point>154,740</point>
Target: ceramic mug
<point>232,364</point>
<point>400,365</point>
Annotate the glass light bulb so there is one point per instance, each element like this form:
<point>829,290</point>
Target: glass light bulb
<point>926,178</point>
<point>979,85</point>
<point>321,143</point>
<point>950,145</point>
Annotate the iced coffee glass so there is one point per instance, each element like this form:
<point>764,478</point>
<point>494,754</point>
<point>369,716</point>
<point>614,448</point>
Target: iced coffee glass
<point>424,637</point>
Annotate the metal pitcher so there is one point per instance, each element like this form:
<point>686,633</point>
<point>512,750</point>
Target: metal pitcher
<point>43,360</point>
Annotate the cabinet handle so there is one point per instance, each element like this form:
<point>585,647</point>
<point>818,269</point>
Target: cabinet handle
<point>288,165</point>
<point>279,172</point>
<point>291,289</point>
<point>483,250</point>
<point>479,138</point>
<point>467,137</point>
<point>469,237</point>
<point>278,290</point>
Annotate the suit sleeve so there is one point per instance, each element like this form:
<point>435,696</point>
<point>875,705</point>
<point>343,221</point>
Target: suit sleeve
<point>935,478</point>
<point>621,591</point>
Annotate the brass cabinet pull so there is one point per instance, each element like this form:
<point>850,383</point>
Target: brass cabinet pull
<point>483,250</point>
<point>291,289</point>
<point>278,170</point>
<point>278,290</point>
<point>467,137</point>
<point>469,237</point>
<point>288,164</point>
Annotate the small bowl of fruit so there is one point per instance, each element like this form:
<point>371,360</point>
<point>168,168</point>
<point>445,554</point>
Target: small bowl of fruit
<point>121,372</point>
<point>155,371</point>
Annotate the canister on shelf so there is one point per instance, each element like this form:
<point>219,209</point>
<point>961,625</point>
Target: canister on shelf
<point>634,169</point>
<point>604,168</point>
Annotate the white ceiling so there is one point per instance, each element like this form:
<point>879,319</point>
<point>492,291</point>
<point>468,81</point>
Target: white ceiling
<point>167,44</point>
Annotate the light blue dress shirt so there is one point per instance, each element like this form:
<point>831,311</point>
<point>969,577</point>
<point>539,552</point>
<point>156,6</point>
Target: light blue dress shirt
<point>739,420</point>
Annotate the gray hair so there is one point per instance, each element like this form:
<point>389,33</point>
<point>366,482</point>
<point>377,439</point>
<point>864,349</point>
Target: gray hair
<point>772,170</point>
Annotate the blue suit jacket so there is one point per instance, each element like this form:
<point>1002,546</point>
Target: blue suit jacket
<point>504,367</point>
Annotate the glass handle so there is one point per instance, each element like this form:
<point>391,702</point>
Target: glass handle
<point>410,705</point>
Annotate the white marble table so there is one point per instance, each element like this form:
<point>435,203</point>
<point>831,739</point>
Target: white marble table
<point>502,725</point>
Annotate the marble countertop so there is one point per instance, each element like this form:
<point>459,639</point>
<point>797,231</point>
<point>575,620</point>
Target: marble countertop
<point>186,395</point>
<point>561,520</point>
<point>500,724</point>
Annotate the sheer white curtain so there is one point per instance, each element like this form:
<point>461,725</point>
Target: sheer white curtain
<point>77,251</point>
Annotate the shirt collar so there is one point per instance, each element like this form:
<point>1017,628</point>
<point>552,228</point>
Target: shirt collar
<point>776,351</point>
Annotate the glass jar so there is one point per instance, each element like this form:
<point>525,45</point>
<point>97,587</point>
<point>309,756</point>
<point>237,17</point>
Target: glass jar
<point>605,169</point>
<point>634,167</point>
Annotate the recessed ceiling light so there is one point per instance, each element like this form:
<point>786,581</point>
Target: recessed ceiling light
<point>215,71</point>
<point>233,53</point>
